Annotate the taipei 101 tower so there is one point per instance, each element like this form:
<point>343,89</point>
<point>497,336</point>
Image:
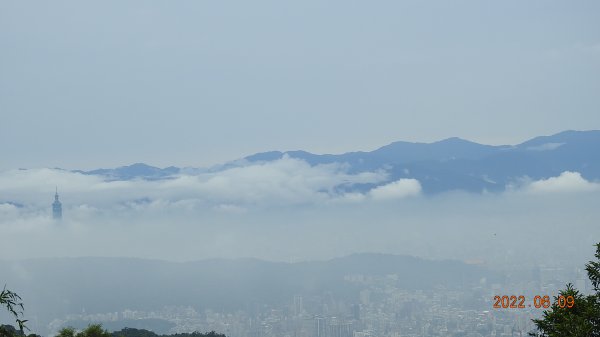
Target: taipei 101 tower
<point>56,207</point>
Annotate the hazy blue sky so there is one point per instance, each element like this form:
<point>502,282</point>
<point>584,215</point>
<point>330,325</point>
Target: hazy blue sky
<point>189,83</point>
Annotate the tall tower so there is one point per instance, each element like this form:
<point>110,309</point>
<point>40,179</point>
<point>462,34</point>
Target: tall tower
<point>56,207</point>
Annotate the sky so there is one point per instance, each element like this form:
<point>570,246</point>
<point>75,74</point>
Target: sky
<point>195,83</point>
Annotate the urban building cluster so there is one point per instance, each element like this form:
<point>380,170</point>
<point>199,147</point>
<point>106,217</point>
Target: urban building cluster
<point>381,309</point>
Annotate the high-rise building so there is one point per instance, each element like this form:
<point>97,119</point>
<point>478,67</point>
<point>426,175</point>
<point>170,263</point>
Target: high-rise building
<point>297,307</point>
<point>320,326</point>
<point>356,311</point>
<point>56,207</point>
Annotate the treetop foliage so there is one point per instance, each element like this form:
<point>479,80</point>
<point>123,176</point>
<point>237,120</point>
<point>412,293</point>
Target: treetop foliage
<point>10,331</point>
<point>96,330</point>
<point>13,304</point>
<point>593,270</point>
<point>583,319</point>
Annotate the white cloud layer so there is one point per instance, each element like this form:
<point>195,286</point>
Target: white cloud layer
<point>398,189</point>
<point>545,147</point>
<point>280,183</point>
<point>565,182</point>
<point>291,210</point>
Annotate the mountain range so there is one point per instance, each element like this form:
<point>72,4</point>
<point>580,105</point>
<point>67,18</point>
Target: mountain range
<point>449,164</point>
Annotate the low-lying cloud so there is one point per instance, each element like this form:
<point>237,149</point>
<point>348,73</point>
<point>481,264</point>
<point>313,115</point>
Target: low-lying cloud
<point>565,182</point>
<point>283,182</point>
<point>290,210</point>
<point>398,189</point>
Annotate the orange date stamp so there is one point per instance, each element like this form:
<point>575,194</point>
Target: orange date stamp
<point>539,302</point>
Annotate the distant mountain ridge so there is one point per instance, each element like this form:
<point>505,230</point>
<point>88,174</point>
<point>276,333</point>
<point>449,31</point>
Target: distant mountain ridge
<point>137,170</point>
<point>449,164</point>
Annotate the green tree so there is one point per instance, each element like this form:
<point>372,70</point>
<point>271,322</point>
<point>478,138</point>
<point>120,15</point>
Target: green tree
<point>583,319</point>
<point>66,332</point>
<point>93,330</point>
<point>13,304</point>
<point>131,332</point>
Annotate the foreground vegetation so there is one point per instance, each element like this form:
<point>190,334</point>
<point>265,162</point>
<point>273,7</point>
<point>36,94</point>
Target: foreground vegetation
<point>10,331</point>
<point>583,319</point>
<point>96,330</point>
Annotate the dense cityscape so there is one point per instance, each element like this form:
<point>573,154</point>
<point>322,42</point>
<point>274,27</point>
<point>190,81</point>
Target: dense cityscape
<point>382,310</point>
